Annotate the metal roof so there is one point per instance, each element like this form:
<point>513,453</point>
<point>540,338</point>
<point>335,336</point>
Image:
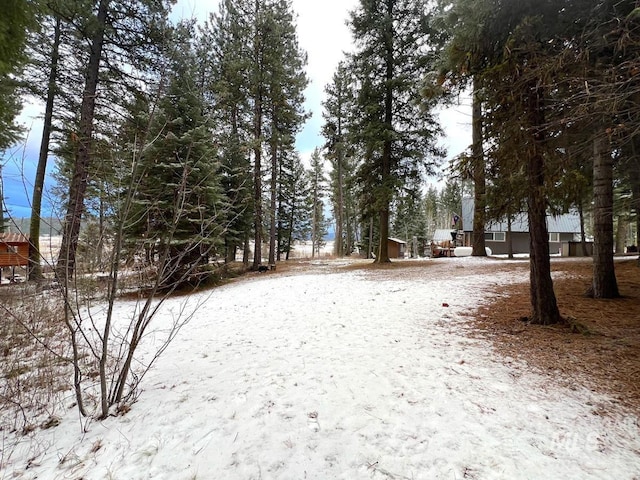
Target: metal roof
<point>443,234</point>
<point>566,223</point>
<point>397,240</point>
<point>13,238</point>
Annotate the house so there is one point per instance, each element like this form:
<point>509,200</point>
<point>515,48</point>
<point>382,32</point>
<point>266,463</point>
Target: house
<point>397,248</point>
<point>14,252</point>
<point>563,229</point>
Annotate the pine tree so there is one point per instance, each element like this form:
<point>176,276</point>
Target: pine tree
<point>176,205</point>
<point>317,190</point>
<point>464,54</point>
<point>50,23</point>
<point>225,49</point>
<point>286,81</point>
<point>263,74</point>
<point>531,59</point>
<point>409,219</point>
<point>396,134</point>
<point>340,152</point>
<point>126,32</point>
<point>17,17</point>
<point>294,208</point>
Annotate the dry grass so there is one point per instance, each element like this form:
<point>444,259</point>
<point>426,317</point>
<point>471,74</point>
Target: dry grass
<point>33,368</point>
<point>603,351</point>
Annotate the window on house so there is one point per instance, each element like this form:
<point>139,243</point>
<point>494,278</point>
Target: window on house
<point>495,236</point>
<point>554,237</point>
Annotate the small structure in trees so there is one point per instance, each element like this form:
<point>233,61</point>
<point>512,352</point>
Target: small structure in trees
<point>444,242</point>
<point>397,248</point>
<point>14,252</point>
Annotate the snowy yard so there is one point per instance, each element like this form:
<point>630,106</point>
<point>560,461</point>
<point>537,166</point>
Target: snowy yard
<point>339,373</point>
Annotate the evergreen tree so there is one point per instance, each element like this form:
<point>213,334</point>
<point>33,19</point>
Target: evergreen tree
<point>225,49</point>
<point>317,190</point>
<point>51,26</point>
<point>431,210</point>
<point>178,195</point>
<point>450,203</point>
<point>396,134</point>
<point>127,33</point>
<point>465,52</point>
<point>409,219</point>
<point>262,73</point>
<point>286,80</point>
<point>609,50</point>
<point>294,208</point>
<point>17,17</point>
<point>340,152</point>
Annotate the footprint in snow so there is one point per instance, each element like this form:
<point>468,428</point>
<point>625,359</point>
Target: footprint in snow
<point>312,421</point>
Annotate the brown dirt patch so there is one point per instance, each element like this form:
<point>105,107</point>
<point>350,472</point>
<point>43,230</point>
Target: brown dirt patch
<point>602,353</point>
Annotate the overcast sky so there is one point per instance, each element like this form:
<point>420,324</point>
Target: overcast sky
<point>322,33</point>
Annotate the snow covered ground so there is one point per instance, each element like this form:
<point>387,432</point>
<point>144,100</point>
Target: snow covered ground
<point>335,373</point>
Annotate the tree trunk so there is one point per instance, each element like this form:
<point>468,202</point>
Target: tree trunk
<point>383,248</point>
<point>583,235</point>
<point>1,208</point>
<point>246,250</point>
<point>543,299</point>
<point>339,240</point>
<point>279,240</point>
<point>274,198</point>
<point>257,141</point>
<point>370,249</point>
<point>292,217</point>
<point>635,199</point>
<point>479,177</point>
<point>77,188</point>
<point>604,283</point>
<point>350,235</point>
<point>621,233</point>
<point>35,270</point>
<point>509,239</point>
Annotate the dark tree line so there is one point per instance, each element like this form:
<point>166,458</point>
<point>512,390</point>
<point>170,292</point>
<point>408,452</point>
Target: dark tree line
<point>555,84</point>
<point>555,121</point>
<point>180,118</point>
<point>555,89</point>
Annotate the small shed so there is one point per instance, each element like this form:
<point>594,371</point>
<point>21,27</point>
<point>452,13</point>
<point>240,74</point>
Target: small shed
<point>14,251</point>
<point>397,248</point>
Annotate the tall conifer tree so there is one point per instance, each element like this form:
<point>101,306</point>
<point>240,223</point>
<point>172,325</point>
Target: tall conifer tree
<point>396,134</point>
<point>177,203</point>
<point>340,152</point>
<point>126,32</point>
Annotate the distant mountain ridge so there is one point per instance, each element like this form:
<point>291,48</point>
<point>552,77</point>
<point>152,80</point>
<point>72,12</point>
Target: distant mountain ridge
<point>49,226</point>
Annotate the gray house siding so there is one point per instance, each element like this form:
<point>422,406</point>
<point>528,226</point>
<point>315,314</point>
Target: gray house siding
<point>565,227</point>
<point>520,244</point>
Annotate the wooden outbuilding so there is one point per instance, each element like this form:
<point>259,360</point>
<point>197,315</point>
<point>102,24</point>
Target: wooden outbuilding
<point>397,248</point>
<point>14,252</point>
